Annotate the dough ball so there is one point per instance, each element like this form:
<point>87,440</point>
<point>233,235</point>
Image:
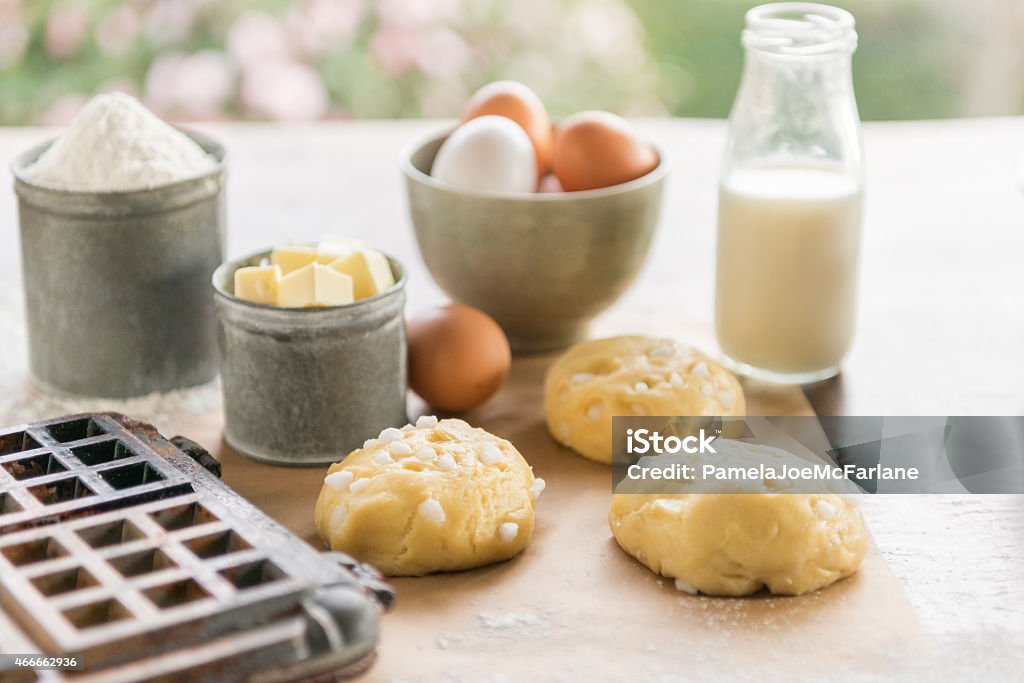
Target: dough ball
<point>737,543</point>
<point>437,496</point>
<point>631,376</point>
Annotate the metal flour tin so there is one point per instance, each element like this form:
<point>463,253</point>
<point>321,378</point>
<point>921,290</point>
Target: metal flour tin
<point>117,283</point>
<point>304,386</point>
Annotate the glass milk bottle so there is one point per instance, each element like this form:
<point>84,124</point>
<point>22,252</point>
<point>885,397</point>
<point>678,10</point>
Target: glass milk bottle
<point>790,195</point>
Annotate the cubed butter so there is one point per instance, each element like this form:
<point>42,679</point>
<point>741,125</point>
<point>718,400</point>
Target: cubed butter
<point>314,285</point>
<point>258,284</point>
<point>295,256</point>
<point>292,257</point>
<point>369,270</point>
<point>337,246</point>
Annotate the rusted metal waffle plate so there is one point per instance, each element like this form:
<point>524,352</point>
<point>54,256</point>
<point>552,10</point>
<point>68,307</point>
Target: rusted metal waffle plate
<point>116,545</point>
<point>54,469</point>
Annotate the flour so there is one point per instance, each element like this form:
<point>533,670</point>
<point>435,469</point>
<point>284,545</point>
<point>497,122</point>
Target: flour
<point>516,625</point>
<point>116,144</point>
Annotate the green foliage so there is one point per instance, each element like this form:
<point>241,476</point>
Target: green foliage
<point>903,68</point>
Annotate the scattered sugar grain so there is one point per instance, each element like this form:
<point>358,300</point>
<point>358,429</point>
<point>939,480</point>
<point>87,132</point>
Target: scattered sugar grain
<point>358,485</point>
<point>426,421</point>
<point>383,458</point>
<point>537,488</point>
<point>516,625</point>
<point>446,462</point>
<point>700,370</point>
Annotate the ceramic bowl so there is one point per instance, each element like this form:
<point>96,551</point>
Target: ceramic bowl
<point>543,265</point>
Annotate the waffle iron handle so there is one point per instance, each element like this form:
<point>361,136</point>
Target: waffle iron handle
<point>368,577</point>
<point>199,454</point>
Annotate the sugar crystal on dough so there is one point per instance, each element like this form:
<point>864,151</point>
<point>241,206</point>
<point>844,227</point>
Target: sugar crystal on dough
<point>390,434</point>
<point>490,454</point>
<point>399,448</point>
<point>432,511</point>
<point>339,480</point>
<point>508,532</point>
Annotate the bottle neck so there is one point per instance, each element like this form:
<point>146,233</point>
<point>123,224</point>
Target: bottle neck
<point>778,82</point>
<point>796,101</point>
<point>800,29</point>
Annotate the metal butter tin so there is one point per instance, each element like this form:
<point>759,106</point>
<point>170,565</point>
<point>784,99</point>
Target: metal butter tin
<point>304,386</point>
<point>117,283</point>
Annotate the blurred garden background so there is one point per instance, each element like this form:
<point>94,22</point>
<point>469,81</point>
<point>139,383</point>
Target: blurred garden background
<point>298,60</point>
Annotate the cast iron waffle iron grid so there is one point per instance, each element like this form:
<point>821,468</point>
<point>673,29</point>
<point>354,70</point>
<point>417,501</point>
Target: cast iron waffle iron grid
<point>119,545</point>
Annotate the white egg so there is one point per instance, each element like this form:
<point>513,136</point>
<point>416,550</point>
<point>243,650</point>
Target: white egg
<point>487,154</point>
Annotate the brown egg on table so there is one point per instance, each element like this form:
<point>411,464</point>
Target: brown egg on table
<point>595,149</point>
<point>458,357</point>
<point>515,101</point>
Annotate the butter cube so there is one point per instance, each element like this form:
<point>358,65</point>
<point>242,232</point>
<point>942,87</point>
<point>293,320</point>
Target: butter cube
<point>258,284</point>
<point>337,246</point>
<point>314,285</point>
<point>369,270</point>
<point>292,257</point>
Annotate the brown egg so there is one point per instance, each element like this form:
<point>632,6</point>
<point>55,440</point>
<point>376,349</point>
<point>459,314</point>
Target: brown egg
<point>458,357</point>
<point>597,149</point>
<point>515,101</point>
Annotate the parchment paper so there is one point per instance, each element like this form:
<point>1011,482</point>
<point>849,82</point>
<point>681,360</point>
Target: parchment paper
<point>574,607</point>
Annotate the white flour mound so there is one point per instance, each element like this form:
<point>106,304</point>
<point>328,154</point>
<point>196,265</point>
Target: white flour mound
<point>116,144</point>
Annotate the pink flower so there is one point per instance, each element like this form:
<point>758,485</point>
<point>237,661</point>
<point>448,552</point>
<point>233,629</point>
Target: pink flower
<point>395,49</point>
<point>443,53</point>
<point>66,27</point>
<point>610,32</point>
<point>195,86</point>
<point>318,25</point>
<point>118,31</point>
<point>418,12</point>
<point>285,91</point>
<point>169,21</point>
<point>257,37</point>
